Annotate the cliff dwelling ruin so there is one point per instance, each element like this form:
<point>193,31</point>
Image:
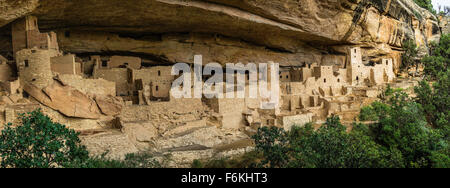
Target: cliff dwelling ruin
<point>112,81</point>
<point>107,85</point>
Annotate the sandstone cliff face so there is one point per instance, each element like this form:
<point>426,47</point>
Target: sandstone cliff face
<point>229,31</point>
<point>445,25</point>
<point>13,9</point>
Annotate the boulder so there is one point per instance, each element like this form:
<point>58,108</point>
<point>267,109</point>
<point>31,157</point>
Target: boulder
<point>109,105</point>
<point>141,132</point>
<point>66,100</point>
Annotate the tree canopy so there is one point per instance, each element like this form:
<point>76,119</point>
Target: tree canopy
<point>39,143</point>
<point>426,4</point>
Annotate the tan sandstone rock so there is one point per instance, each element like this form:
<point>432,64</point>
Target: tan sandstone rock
<point>114,145</point>
<point>289,32</point>
<point>110,105</point>
<point>66,100</point>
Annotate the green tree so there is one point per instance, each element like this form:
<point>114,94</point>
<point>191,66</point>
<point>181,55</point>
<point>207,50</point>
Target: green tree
<point>426,4</point>
<point>331,146</point>
<point>439,58</point>
<point>133,160</point>
<point>40,143</point>
<point>402,127</point>
<point>273,143</point>
<point>247,160</point>
<point>435,101</point>
<point>409,56</point>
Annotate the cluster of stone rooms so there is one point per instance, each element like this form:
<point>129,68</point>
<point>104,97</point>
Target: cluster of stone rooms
<point>95,86</point>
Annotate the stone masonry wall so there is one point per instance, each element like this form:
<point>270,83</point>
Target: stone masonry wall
<point>92,86</point>
<point>34,67</point>
<point>117,75</point>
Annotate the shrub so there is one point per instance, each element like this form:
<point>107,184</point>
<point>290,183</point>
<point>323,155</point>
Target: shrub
<point>439,59</point>
<point>426,4</point>
<point>247,160</point>
<point>331,146</point>
<point>409,56</point>
<point>402,128</point>
<point>197,164</point>
<point>40,143</point>
<point>134,160</point>
<point>435,99</point>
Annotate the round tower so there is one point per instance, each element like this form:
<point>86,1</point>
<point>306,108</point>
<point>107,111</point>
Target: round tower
<point>34,67</point>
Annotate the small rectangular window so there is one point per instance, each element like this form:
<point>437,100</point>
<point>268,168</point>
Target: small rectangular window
<point>26,63</point>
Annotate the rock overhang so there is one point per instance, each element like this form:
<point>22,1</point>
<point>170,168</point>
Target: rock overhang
<point>285,27</point>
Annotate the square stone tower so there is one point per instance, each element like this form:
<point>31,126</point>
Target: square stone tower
<point>26,35</point>
<point>356,69</point>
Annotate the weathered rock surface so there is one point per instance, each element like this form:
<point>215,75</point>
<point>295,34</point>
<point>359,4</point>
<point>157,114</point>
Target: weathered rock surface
<point>445,24</point>
<point>109,105</point>
<point>290,32</point>
<point>73,103</point>
<point>115,145</point>
<point>13,9</point>
<point>66,100</point>
<point>204,143</point>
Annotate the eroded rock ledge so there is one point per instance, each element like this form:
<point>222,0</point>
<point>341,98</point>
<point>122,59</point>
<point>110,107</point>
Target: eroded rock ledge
<point>290,32</point>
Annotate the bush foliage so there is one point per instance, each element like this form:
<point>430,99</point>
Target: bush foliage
<point>39,143</point>
<point>426,4</point>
